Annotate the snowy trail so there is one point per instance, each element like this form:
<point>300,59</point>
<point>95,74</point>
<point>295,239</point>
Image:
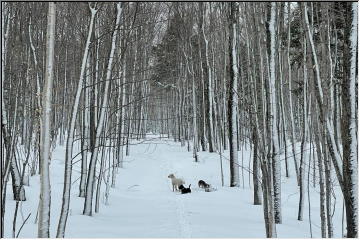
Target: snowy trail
<point>166,167</point>
<point>144,199</point>
<point>185,228</point>
<point>142,205</point>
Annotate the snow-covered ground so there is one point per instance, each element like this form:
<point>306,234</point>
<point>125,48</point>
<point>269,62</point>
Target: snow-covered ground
<point>142,205</point>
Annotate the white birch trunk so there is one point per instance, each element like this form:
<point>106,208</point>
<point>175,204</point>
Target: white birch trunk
<point>195,128</point>
<point>353,80</point>
<point>273,104</point>
<point>321,184</point>
<point>86,132</point>
<point>119,127</point>
<point>45,192</point>
<point>353,158</point>
<point>233,103</point>
<point>123,114</point>
<point>107,189</point>
<point>96,104</point>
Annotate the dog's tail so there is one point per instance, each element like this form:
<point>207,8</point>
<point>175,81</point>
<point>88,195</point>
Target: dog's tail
<point>189,185</point>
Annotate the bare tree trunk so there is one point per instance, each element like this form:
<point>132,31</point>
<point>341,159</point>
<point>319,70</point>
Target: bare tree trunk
<point>17,184</point>
<point>45,195</point>
<point>321,180</point>
<point>273,104</point>
<point>123,115</point>
<point>256,178</point>
<point>349,124</point>
<point>101,173</point>
<point>233,98</point>
<point>268,200</point>
<point>328,191</point>
<point>308,179</point>
<point>85,140</point>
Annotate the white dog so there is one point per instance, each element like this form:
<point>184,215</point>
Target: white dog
<point>176,182</point>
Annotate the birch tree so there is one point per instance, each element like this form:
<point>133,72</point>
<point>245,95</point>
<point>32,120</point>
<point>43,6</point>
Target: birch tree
<point>349,127</point>
<point>45,194</point>
<point>273,121</point>
<point>233,99</point>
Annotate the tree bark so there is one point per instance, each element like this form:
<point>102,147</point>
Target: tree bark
<point>273,121</point>
<point>233,98</point>
<point>45,194</point>
<point>349,127</point>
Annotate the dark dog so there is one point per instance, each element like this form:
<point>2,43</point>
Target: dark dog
<point>184,190</point>
<point>203,184</point>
